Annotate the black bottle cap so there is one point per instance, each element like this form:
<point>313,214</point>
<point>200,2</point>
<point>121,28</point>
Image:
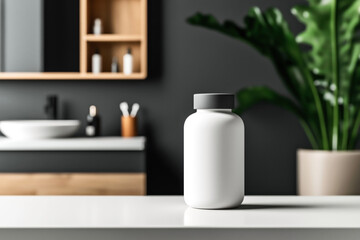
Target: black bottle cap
<point>214,101</point>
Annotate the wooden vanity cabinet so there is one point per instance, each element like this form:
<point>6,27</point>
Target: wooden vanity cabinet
<point>73,173</point>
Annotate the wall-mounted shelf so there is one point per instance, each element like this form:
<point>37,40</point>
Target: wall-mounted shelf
<point>71,76</point>
<point>124,24</point>
<point>113,38</point>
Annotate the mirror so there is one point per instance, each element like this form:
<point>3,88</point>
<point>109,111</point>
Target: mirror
<point>39,36</point>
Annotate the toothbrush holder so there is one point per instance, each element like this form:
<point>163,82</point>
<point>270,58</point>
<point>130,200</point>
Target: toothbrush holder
<point>128,126</point>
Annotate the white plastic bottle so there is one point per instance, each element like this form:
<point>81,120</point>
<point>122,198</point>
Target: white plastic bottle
<point>213,153</point>
<point>115,65</point>
<point>128,62</point>
<point>97,29</point>
<point>96,62</point>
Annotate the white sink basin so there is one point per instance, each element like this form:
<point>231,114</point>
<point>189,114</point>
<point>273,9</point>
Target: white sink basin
<point>39,129</point>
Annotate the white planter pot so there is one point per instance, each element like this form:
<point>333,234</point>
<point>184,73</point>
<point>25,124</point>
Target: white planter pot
<point>328,172</point>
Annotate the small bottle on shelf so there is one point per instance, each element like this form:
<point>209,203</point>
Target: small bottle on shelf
<point>97,29</point>
<point>93,123</point>
<point>115,65</point>
<point>128,62</point>
<point>96,62</point>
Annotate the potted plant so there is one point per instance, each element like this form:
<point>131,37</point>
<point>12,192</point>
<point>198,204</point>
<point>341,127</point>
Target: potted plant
<point>323,79</point>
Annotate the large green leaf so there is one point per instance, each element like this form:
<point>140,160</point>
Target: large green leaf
<point>248,97</point>
<point>354,105</point>
<point>267,32</point>
<point>324,80</point>
<point>330,37</point>
<point>229,28</point>
<point>251,96</point>
<point>331,32</point>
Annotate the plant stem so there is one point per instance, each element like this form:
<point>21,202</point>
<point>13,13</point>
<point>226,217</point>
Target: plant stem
<point>355,131</point>
<point>309,134</point>
<point>335,75</point>
<point>354,63</point>
<point>318,105</point>
<point>329,118</point>
<point>314,127</point>
<point>344,142</point>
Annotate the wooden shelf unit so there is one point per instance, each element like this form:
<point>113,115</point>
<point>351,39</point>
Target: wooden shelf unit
<point>70,76</point>
<point>124,25</point>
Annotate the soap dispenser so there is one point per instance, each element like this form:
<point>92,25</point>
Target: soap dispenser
<point>93,122</point>
<point>51,106</point>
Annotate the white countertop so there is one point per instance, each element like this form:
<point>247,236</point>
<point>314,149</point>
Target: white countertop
<point>122,212</point>
<point>75,144</point>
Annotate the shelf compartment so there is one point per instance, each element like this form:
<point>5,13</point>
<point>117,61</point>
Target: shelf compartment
<point>117,16</point>
<point>108,50</point>
<point>112,38</point>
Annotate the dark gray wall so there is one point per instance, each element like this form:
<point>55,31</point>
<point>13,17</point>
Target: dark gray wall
<point>183,60</point>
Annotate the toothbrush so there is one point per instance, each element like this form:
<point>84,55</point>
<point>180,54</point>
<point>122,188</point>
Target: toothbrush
<point>134,109</point>
<point>124,108</point>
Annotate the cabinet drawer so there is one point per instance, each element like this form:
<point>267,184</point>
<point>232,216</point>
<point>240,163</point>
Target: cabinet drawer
<point>72,184</point>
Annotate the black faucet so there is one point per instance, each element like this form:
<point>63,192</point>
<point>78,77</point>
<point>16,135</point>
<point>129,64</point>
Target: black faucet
<point>51,107</point>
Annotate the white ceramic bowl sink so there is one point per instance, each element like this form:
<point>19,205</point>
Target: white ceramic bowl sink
<point>39,129</point>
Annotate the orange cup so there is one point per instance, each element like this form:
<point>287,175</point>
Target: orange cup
<point>128,126</point>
